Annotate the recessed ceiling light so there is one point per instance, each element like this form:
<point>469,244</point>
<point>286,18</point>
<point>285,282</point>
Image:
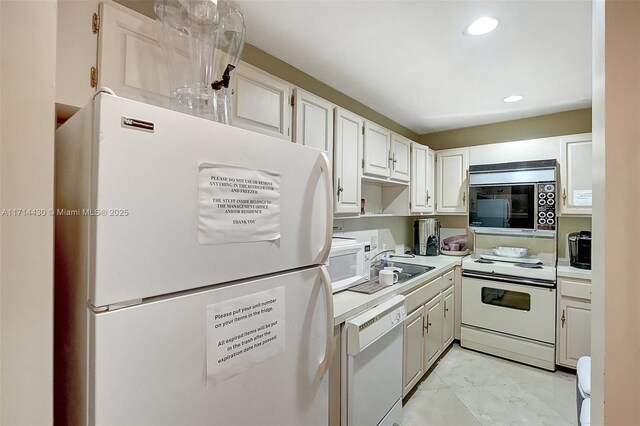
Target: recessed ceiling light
<point>513,98</point>
<point>482,26</point>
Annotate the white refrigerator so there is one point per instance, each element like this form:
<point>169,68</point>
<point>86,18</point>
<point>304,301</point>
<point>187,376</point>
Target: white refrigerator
<point>189,280</point>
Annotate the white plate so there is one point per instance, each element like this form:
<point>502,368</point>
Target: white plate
<point>510,259</point>
<point>455,253</point>
<point>512,252</point>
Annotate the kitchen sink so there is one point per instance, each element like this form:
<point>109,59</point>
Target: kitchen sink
<point>408,271</point>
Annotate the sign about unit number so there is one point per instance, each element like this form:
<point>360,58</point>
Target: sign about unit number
<point>237,205</point>
<point>244,332</point>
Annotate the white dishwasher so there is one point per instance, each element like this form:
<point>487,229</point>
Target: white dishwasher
<point>372,365</point>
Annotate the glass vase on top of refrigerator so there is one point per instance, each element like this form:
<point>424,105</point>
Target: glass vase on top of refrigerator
<point>189,279</point>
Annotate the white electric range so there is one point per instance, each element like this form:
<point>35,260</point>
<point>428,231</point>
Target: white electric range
<point>509,308</point>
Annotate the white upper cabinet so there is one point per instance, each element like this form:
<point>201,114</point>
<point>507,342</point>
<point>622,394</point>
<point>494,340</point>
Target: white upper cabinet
<point>452,168</point>
<point>260,102</point>
<point>422,177</point>
<point>377,150</point>
<point>400,158</point>
<point>312,121</point>
<point>346,161</point>
<point>431,181</point>
<point>130,59</point>
<point>132,64</point>
<point>575,175</point>
<point>77,49</point>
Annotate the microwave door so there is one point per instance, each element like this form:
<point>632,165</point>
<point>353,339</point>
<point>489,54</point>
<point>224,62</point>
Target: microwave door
<point>493,213</point>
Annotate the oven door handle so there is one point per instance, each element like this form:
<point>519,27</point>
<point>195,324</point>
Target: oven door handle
<point>524,281</point>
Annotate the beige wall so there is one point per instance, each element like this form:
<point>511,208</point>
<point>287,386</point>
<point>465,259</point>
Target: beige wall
<point>561,123</point>
<point>616,292</point>
<point>27,120</point>
<point>273,65</point>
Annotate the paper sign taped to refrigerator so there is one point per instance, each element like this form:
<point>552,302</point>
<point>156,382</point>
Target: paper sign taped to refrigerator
<point>582,197</point>
<point>237,205</point>
<point>244,332</point>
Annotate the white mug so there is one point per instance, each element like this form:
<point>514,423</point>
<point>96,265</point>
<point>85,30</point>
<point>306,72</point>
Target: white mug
<point>387,277</point>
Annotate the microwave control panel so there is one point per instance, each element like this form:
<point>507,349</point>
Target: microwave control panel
<point>546,219</point>
<point>367,262</point>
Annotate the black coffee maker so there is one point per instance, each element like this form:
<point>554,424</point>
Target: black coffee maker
<point>580,249</point>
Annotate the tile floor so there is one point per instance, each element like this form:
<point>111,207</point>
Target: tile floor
<point>471,388</point>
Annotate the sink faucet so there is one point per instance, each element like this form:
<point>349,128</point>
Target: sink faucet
<point>381,252</point>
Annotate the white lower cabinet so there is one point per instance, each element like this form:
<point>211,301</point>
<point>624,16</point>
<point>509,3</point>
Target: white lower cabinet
<point>413,349</point>
<point>574,321</point>
<point>429,327</point>
<point>434,316</point>
<point>448,317</point>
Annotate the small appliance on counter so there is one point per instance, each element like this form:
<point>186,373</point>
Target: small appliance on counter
<point>580,249</point>
<point>426,237</point>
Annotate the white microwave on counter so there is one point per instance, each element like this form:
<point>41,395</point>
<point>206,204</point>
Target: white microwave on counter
<point>348,264</point>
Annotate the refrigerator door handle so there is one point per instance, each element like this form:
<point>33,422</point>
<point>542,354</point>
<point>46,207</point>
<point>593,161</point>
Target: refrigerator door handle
<point>328,350</point>
<point>325,168</point>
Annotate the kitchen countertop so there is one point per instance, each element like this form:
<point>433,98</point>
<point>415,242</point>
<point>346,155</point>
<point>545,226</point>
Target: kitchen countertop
<point>566,271</point>
<point>349,303</point>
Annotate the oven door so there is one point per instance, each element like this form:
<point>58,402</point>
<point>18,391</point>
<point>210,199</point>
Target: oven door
<point>515,309</point>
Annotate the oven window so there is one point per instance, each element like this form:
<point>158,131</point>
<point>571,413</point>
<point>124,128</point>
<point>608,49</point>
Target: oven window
<point>506,298</point>
<point>502,206</point>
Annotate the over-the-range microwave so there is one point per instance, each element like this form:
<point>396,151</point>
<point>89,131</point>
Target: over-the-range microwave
<point>513,197</point>
<point>349,263</point>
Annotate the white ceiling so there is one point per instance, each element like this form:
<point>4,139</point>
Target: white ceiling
<point>410,60</point>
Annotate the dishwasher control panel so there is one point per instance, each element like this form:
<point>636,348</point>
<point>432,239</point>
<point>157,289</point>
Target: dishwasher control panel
<point>372,324</point>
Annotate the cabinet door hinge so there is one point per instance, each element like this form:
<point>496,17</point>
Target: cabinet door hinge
<point>293,100</point>
<point>362,163</point>
<point>409,205</point>
<point>94,77</point>
<point>95,23</point>
<point>362,130</point>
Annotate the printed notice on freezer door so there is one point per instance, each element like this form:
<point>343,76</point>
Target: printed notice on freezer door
<point>244,332</point>
<point>237,205</point>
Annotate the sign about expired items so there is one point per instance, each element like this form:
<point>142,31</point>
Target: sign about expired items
<point>237,205</point>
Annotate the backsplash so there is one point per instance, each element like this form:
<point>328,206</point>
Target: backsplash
<point>567,225</point>
<point>394,232</point>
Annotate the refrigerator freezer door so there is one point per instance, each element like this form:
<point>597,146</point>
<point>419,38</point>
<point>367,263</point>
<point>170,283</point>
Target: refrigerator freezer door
<point>149,363</point>
<point>146,190</point>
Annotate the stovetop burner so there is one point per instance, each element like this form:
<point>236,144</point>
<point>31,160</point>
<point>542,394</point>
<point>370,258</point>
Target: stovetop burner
<point>529,265</point>
<point>526,269</point>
